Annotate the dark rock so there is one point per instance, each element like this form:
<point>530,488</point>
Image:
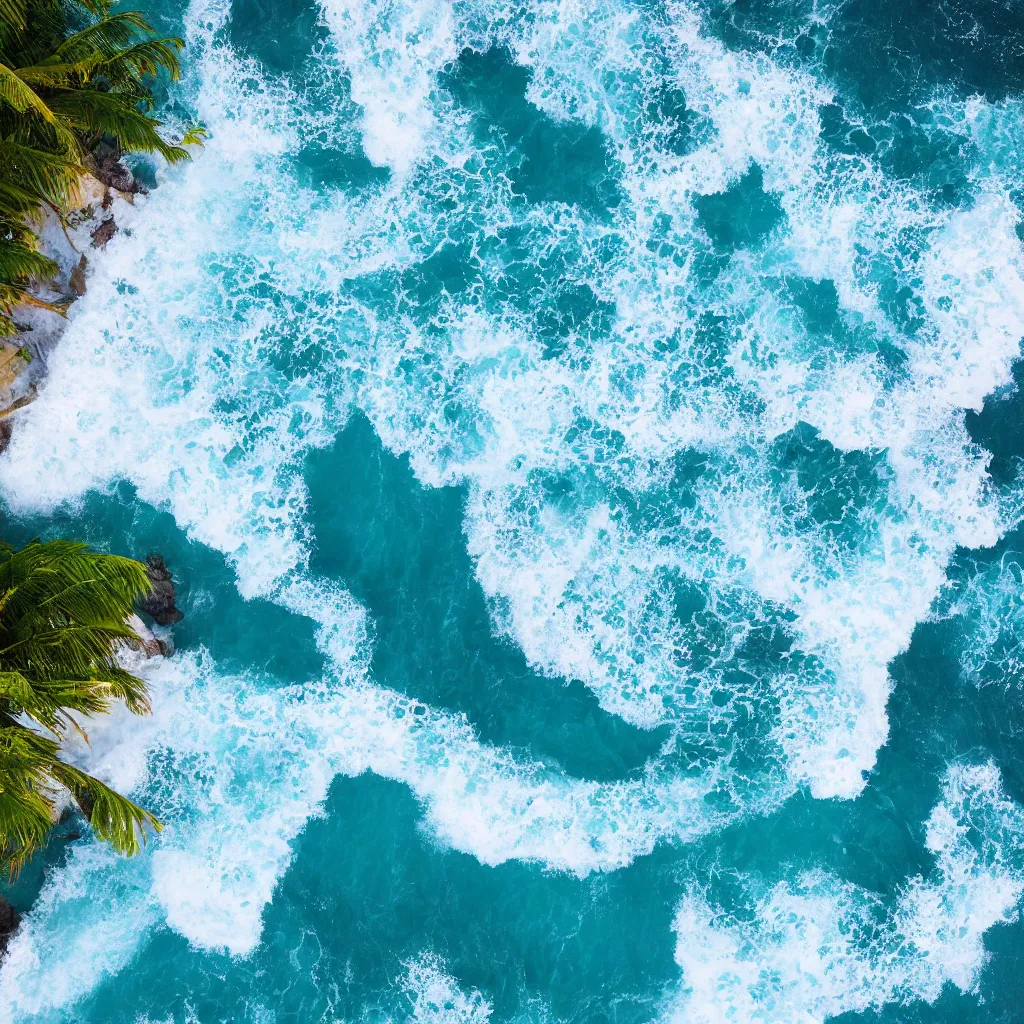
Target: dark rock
<point>107,167</point>
<point>77,280</point>
<point>8,917</point>
<point>159,602</point>
<point>104,232</point>
<point>8,924</point>
<point>151,643</point>
<point>115,175</point>
<point>108,148</point>
<point>6,431</point>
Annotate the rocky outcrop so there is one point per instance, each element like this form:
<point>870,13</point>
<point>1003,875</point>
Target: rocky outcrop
<point>6,424</point>
<point>107,167</point>
<point>159,602</point>
<point>14,360</point>
<point>108,189</point>
<point>77,279</point>
<point>8,924</point>
<point>89,225</point>
<point>103,233</point>
<point>151,643</point>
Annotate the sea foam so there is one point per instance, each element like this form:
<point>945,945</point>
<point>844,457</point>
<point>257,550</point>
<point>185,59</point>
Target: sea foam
<point>819,947</point>
<point>565,576</point>
<point>718,514</point>
<point>436,996</point>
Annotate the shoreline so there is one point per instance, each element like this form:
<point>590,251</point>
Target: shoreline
<point>103,210</point>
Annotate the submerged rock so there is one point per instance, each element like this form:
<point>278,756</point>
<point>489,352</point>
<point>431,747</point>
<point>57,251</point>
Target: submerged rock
<point>151,643</point>
<point>8,924</point>
<point>108,168</point>
<point>159,602</point>
<point>104,232</point>
<point>77,279</point>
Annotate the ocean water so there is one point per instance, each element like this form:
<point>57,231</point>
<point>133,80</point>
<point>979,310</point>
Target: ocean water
<point>588,440</point>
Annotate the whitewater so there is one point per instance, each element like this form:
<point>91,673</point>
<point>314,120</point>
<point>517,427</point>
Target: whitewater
<point>587,439</point>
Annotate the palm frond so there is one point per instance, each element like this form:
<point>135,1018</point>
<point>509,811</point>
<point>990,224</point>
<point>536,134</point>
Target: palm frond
<point>51,177</point>
<point>20,95</point>
<point>14,13</point>
<point>126,69</point>
<point>19,262</point>
<point>62,620</point>
<point>196,135</point>
<point>108,36</point>
<point>12,296</point>
<point>87,110</point>
<point>113,817</point>
<point>60,75</point>
<point>26,798</point>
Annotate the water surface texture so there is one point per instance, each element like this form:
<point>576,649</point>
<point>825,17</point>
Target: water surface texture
<point>587,437</point>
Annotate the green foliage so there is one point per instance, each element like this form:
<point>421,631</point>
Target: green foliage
<point>196,136</point>
<point>62,619</point>
<point>61,92</point>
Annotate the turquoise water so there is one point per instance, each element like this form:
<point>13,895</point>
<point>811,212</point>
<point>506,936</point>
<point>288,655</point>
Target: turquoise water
<point>587,438</point>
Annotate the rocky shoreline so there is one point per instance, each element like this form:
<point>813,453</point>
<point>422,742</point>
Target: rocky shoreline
<point>106,205</point>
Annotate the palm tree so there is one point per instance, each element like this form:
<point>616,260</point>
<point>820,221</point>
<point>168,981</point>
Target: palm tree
<point>61,92</point>
<point>69,90</point>
<point>62,620</point>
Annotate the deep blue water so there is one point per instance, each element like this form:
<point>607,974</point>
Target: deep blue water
<point>587,438</point>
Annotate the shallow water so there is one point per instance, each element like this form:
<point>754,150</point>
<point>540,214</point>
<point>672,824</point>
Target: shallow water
<point>587,438</point>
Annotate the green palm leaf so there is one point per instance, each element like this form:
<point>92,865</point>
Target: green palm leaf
<point>113,817</point>
<point>107,37</point>
<point>127,70</point>
<point>22,98</point>
<point>87,110</point>
<point>18,261</point>
<point>14,13</point>
<point>62,620</point>
<point>60,75</point>
<point>47,176</point>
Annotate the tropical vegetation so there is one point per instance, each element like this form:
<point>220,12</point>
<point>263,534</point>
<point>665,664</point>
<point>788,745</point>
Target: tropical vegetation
<point>63,612</point>
<point>73,73</point>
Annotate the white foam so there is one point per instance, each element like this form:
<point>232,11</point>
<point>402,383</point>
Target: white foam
<point>392,52</point>
<point>586,594</point>
<point>225,841</point>
<point>170,377</point>
<point>480,799</point>
<point>437,997</point>
<point>236,768</point>
<point>576,587</point>
<point>133,387</point>
<point>819,947</point>
<point>164,379</point>
<point>988,610</point>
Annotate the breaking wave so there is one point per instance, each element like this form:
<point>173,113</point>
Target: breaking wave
<point>700,362</point>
